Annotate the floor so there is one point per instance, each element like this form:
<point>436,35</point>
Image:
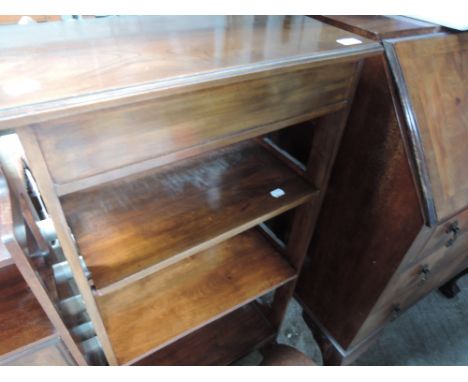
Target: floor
<point>432,332</point>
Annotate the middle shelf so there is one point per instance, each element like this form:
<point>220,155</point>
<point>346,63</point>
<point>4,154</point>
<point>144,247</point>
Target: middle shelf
<point>129,228</point>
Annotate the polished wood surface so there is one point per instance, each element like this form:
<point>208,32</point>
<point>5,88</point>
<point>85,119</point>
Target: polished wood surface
<point>445,241</point>
<point>171,95</point>
<point>283,355</point>
<point>363,209</point>
<point>91,145</point>
<point>34,256</point>
<point>22,320</point>
<point>121,56</point>
<point>436,77</point>
<point>39,168</point>
<point>381,241</point>
<point>125,227</point>
<point>437,265</point>
<point>380,27</point>
<point>223,341</point>
<point>183,297</point>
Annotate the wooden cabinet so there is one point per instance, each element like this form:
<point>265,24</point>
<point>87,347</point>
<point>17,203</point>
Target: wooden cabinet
<point>165,159</point>
<point>393,223</point>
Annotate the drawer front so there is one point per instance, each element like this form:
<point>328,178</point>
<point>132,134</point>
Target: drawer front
<point>444,256</point>
<point>88,144</point>
<point>449,238</point>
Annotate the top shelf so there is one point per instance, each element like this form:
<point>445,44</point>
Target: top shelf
<point>129,228</point>
<point>120,57</point>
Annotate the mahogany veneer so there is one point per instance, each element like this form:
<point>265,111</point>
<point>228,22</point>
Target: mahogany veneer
<point>145,222</point>
<point>393,223</point>
<point>151,166</point>
<point>182,297</point>
<point>223,341</point>
<point>22,319</point>
<point>378,27</point>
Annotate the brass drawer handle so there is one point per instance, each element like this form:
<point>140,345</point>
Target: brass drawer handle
<point>424,274</point>
<point>454,229</point>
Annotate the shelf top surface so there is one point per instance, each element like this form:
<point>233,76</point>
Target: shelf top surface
<point>22,320</point>
<point>215,195</point>
<point>190,294</point>
<point>56,62</point>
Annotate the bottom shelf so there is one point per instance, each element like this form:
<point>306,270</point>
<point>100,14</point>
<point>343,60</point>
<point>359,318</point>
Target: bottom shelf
<point>182,298</point>
<point>217,344</point>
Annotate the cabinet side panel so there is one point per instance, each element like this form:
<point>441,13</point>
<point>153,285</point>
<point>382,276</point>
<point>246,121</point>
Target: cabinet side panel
<point>370,215</point>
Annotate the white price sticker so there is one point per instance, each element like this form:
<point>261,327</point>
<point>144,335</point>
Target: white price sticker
<point>277,193</point>
<point>348,41</point>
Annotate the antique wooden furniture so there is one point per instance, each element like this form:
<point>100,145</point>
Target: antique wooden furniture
<point>32,331</point>
<point>163,148</point>
<point>393,224</point>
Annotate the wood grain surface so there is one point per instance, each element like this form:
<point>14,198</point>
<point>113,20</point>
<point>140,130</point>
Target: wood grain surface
<point>436,76</point>
<point>93,143</point>
<point>223,341</point>
<point>123,55</point>
<point>181,298</point>
<point>22,320</point>
<point>370,216</point>
<point>378,27</point>
<point>127,226</point>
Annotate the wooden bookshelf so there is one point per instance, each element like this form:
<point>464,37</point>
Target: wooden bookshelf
<point>22,320</point>
<point>151,165</point>
<point>181,298</point>
<point>140,224</point>
<point>220,341</point>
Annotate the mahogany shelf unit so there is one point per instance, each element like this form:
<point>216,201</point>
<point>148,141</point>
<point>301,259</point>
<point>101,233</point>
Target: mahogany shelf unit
<point>154,168</point>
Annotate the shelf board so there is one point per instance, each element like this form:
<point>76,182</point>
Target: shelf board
<point>220,343</point>
<point>191,293</point>
<point>129,228</point>
<point>22,320</point>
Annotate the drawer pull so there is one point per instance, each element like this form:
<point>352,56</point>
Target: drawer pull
<point>454,229</point>
<point>424,274</point>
